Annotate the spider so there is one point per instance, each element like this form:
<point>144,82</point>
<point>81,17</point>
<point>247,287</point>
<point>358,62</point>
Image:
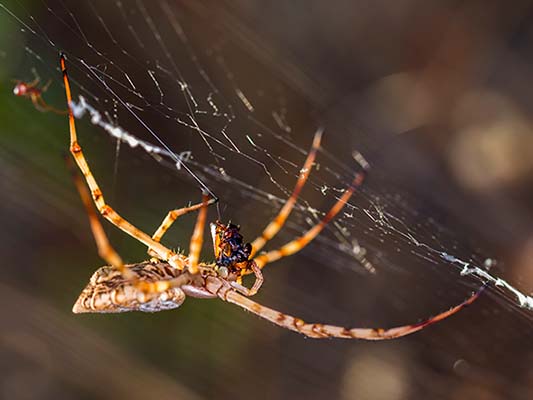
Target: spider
<point>35,94</point>
<point>167,278</point>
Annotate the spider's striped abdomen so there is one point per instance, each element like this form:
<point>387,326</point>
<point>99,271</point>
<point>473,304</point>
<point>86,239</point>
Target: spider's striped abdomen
<point>109,292</point>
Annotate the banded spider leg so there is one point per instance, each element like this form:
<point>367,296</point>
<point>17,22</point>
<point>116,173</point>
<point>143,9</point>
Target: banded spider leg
<point>175,260</point>
<point>320,331</point>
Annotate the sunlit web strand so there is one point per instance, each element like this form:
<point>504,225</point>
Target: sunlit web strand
<point>80,108</point>
<point>145,126</point>
<point>383,219</point>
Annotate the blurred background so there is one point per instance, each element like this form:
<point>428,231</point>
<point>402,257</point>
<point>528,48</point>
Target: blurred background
<point>436,95</point>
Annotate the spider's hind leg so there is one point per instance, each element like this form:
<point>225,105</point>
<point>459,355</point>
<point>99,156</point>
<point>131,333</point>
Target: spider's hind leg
<point>105,250</point>
<point>164,253</point>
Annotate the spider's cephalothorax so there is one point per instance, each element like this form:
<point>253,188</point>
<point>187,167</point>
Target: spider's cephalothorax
<point>230,250</point>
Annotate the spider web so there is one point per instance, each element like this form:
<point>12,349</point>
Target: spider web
<point>173,98</point>
<point>162,81</point>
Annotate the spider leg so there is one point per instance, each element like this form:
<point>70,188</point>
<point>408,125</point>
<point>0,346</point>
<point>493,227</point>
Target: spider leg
<point>257,283</point>
<point>277,223</point>
<point>320,331</point>
<point>197,237</point>
<point>172,216</point>
<point>299,243</point>
<point>164,253</point>
<point>105,250</point>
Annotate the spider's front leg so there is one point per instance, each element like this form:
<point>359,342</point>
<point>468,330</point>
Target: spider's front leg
<point>320,331</point>
<point>257,283</point>
<point>277,223</point>
<point>302,241</point>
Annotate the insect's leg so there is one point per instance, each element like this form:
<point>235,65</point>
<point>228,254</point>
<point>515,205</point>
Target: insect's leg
<point>299,243</point>
<point>257,283</point>
<point>273,228</point>
<point>319,331</point>
<point>35,81</point>
<point>42,106</point>
<point>171,218</point>
<point>111,215</point>
<point>107,252</point>
<point>197,237</point>
<point>45,87</point>
<point>38,102</point>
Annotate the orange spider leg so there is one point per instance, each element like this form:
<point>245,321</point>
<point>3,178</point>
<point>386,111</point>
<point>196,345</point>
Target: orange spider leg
<point>320,331</point>
<point>164,253</point>
<point>299,243</point>
<point>172,216</point>
<point>273,228</point>
<point>105,250</point>
<point>256,285</point>
<point>197,237</point>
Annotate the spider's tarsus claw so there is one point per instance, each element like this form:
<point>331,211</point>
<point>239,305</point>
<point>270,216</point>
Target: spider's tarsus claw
<point>363,163</point>
<point>213,199</point>
<point>63,64</point>
<point>318,137</point>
